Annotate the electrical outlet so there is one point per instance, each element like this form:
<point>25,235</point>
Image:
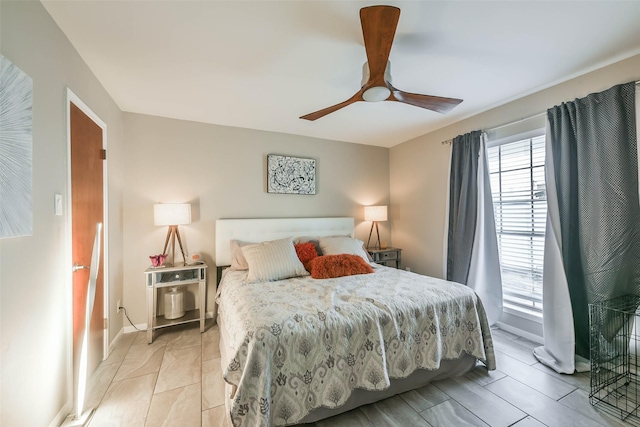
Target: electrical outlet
<point>118,307</point>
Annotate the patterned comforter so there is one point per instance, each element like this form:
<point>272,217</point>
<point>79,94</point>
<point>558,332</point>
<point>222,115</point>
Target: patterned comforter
<point>300,344</point>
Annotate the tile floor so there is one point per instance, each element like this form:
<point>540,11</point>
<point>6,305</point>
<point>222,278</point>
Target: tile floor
<point>177,381</point>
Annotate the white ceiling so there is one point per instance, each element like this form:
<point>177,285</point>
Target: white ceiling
<point>262,64</point>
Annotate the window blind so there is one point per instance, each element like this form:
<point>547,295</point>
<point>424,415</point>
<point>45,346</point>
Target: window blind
<point>516,171</point>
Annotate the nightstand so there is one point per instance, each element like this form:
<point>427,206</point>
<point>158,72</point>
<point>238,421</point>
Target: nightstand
<point>391,257</point>
<point>174,277</point>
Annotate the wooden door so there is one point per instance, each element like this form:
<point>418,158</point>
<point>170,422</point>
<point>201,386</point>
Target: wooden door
<point>87,209</point>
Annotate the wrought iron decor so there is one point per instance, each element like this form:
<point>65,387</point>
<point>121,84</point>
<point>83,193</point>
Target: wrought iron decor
<point>16,104</point>
<point>291,175</point>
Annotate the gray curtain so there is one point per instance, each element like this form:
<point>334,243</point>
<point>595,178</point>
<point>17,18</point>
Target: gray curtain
<point>595,163</point>
<point>463,205</point>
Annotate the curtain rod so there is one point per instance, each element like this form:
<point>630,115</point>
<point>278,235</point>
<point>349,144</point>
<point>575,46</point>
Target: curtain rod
<point>450,141</point>
<point>515,122</point>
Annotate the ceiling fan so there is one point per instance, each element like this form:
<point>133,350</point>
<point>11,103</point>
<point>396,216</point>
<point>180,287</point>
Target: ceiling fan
<point>378,29</point>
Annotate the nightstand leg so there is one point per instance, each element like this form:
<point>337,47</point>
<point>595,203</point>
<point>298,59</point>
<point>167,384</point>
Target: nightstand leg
<point>151,312</point>
<point>203,304</point>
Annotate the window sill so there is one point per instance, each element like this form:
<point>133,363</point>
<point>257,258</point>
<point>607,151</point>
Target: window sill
<point>530,315</point>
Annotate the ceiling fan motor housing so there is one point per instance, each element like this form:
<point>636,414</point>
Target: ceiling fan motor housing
<point>376,93</point>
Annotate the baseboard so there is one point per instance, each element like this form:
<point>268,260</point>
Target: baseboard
<point>520,332</point>
<point>62,415</point>
<point>130,329</point>
<point>117,338</point>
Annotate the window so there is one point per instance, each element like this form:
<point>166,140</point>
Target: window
<point>520,205</point>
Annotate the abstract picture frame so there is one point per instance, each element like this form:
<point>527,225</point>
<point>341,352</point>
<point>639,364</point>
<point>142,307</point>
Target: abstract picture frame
<point>16,151</point>
<point>291,175</point>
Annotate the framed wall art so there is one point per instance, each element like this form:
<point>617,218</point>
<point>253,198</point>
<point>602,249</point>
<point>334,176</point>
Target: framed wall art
<point>290,175</point>
<point>16,105</point>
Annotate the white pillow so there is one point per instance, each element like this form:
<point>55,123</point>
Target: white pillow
<point>343,245</point>
<point>238,262</point>
<point>273,260</point>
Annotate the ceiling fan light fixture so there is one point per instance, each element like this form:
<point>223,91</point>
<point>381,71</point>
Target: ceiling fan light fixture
<point>376,94</point>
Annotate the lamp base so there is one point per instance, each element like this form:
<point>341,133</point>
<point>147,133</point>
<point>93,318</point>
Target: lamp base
<point>377,233</point>
<point>172,233</point>
<point>83,420</point>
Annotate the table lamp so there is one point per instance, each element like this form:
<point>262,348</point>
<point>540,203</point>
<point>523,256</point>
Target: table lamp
<point>375,214</point>
<point>172,215</point>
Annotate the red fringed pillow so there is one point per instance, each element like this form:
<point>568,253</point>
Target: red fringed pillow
<point>306,252</point>
<point>329,266</point>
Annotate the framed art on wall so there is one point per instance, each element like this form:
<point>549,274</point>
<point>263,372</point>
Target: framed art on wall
<point>290,175</point>
<point>16,101</point>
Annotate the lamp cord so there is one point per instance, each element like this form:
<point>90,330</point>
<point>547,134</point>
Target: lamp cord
<point>127,316</point>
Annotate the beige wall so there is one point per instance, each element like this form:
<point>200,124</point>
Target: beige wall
<point>419,168</point>
<point>35,293</point>
<point>221,171</point>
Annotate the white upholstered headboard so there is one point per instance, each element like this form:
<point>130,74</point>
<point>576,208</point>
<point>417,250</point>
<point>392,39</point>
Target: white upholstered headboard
<point>260,230</point>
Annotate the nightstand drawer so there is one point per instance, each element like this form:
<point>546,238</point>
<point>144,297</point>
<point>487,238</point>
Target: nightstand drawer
<point>179,276</point>
<point>391,257</point>
<point>383,256</point>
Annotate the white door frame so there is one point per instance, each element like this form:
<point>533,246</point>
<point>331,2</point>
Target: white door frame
<point>72,97</point>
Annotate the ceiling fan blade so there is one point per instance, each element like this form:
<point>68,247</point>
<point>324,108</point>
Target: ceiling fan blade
<point>378,29</point>
<point>379,24</point>
<point>434,103</point>
<point>321,113</point>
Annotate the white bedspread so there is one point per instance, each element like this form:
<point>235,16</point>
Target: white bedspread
<point>300,344</point>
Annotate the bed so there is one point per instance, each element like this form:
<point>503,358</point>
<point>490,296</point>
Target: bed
<point>299,349</point>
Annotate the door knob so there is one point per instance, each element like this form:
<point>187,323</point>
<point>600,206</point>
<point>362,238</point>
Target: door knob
<point>77,267</point>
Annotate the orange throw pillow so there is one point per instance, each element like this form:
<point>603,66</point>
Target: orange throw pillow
<point>306,252</point>
<point>330,266</point>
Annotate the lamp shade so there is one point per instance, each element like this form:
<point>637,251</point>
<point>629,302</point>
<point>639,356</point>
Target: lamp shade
<point>375,213</point>
<point>172,214</point>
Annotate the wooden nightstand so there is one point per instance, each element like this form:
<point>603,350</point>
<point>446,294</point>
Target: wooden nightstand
<point>391,257</point>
